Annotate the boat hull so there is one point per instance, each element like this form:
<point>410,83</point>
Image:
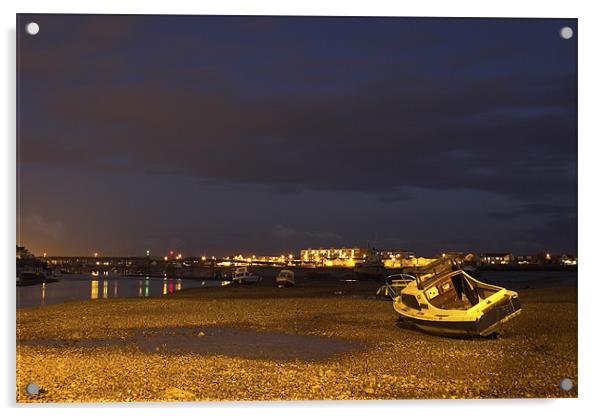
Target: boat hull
<point>487,324</point>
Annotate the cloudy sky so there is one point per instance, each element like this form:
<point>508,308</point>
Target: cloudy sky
<point>220,135</point>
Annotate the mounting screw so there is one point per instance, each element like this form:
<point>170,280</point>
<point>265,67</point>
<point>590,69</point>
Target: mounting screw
<point>32,28</point>
<point>32,389</point>
<point>566,384</point>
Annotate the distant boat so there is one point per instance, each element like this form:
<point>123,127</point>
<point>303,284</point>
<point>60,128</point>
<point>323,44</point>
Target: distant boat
<point>285,278</point>
<point>372,267</point>
<point>453,303</point>
<point>30,277</point>
<point>243,276</point>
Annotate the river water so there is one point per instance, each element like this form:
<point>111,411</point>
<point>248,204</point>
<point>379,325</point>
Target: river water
<point>81,287</point>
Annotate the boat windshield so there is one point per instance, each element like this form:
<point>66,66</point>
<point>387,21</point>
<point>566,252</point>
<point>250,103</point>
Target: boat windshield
<point>431,271</point>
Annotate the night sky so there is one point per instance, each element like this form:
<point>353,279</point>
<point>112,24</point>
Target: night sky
<point>224,135</point>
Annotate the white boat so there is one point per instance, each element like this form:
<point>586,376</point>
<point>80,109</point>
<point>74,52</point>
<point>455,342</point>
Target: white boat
<point>285,278</point>
<point>453,303</point>
<point>243,276</point>
<point>394,284</point>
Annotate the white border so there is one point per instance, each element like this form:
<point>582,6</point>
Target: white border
<point>590,68</point>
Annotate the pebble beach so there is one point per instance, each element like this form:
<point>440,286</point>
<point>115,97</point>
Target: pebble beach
<point>319,341</point>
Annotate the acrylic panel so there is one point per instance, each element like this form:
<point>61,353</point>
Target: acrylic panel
<point>234,208</point>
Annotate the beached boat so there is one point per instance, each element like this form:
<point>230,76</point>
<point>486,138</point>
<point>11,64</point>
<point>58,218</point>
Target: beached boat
<point>285,278</point>
<point>453,303</point>
<point>243,276</point>
<point>394,284</point>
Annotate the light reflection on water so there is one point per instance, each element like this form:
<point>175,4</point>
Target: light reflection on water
<point>43,300</point>
<point>81,287</point>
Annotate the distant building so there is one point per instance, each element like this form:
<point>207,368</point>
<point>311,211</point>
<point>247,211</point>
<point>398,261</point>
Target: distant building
<point>497,258</point>
<point>355,253</point>
<point>315,255</point>
<point>557,259</point>
<point>395,254</point>
<point>568,260</point>
<point>525,259</point>
<point>547,258</point>
<point>349,256</point>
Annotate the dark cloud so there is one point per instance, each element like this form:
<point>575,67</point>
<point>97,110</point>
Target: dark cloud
<point>557,235</point>
<point>310,237</point>
<point>287,105</point>
<point>539,209</point>
<point>388,136</point>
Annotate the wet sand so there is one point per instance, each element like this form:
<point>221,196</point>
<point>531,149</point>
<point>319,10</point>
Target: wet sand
<point>92,350</point>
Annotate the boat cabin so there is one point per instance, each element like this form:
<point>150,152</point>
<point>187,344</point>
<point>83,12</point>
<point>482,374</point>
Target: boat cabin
<point>452,290</point>
<point>286,274</point>
<point>241,271</point>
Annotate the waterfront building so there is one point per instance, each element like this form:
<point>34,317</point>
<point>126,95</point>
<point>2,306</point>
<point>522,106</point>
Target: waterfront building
<point>497,258</point>
<point>568,260</point>
<point>349,256</point>
<point>316,255</point>
<point>525,259</point>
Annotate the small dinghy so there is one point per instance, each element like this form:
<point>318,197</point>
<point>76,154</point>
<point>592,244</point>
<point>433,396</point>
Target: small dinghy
<point>393,285</point>
<point>285,278</point>
<point>243,276</point>
<point>453,303</point>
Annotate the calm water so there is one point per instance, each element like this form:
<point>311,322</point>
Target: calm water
<point>79,287</point>
<point>533,279</point>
